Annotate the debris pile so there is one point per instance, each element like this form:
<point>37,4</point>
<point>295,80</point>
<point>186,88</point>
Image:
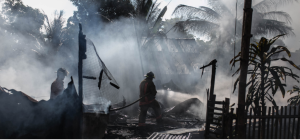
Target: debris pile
<point>177,118</point>
<point>24,117</point>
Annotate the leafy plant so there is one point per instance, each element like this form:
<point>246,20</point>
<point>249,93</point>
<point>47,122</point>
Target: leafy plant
<point>295,100</point>
<point>265,79</point>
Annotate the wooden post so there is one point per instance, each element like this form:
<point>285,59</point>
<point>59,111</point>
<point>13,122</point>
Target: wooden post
<point>259,122</point>
<point>209,117</point>
<point>236,120</point>
<point>280,129</point>
<point>230,123</point>
<point>276,122</point>
<point>298,125</point>
<point>263,122</point>
<point>294,122</point>
<point>246,35</point>
<point>225,118</point>
<point>272,123</point>
<point>81,56</point>
<point>249,129</point>
<point>213,75</point>
<point>284,127</point>
<point>254,124</point>
<point>268,120</point>
<point>289,125</point>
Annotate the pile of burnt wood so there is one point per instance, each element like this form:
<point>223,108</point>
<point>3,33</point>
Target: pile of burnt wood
<point>178,118</point>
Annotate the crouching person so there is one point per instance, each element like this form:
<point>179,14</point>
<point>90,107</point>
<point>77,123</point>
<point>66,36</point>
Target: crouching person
<point>147,87</point>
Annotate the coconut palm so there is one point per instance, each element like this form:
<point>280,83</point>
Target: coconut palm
<point>204,20</point>
<point>265,78</point>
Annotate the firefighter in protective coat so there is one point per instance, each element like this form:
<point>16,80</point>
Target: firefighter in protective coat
<point>147,87</point>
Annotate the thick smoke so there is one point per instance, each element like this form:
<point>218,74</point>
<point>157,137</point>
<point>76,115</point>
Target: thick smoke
<point>117,46</point>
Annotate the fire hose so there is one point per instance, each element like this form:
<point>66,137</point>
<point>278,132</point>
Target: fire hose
<point>115,109</point>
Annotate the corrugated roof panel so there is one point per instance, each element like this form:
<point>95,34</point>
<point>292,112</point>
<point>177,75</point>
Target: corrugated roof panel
<point>157,135</point>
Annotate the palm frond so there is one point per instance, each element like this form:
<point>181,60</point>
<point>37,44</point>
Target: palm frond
<point>272,27</point>
<point>201,12</point>
<point>278,15</point>
<point>266,5</point>
<point>201,27</point>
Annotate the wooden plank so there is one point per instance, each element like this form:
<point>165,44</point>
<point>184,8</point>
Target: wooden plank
<point>282,117</point>
<point>214,123</point>
<point>225,120</point>
<point>293,123</point>
<point>218,102</point>
<point>268,120</point>
<point>298,125</point>
<point>230,123</point>
<point>215,108</point>
<point>214,113</point>
<point>254,124</point>
<point>272,122</point>
<point>263,124</point>
<point>259,122</point>
<point>284,127</point>
<point>276,123</point>
<point>289,125</point>
<point>280,129</point>
<point>209,104</point>
<point>249,128</point>
<point>236,126</point>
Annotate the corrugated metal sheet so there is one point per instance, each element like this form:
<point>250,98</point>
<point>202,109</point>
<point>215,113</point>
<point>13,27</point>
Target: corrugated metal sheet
<point>157,135</point>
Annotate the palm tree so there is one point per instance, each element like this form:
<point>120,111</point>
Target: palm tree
<point>54,32</point>
<point>265,78</point>
<point>204,20</point>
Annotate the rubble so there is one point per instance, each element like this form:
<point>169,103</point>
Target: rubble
<point>177,123</point>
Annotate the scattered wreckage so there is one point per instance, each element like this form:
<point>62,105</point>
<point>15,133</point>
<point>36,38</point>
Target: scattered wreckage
<point>24,117</point>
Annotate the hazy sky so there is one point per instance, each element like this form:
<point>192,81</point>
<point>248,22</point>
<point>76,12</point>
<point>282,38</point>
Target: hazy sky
<point>49,6</point>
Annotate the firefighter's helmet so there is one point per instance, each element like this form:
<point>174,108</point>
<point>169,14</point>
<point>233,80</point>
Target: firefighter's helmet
<point>150,74</point>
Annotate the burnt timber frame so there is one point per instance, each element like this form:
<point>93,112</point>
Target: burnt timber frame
<point>211,95</point>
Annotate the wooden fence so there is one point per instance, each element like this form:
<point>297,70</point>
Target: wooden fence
<point>278,123</point>
<point>261,123</point>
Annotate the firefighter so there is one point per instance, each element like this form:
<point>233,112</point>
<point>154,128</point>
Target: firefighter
<point>57,86</point>
<point>147,87</point>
